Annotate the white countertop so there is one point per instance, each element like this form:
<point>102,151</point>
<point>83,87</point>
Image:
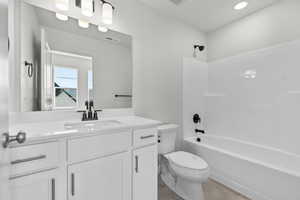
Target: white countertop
<point>57,129</point>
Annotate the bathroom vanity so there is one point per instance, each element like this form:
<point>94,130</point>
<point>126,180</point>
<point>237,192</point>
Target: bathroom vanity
<point>106,159</point>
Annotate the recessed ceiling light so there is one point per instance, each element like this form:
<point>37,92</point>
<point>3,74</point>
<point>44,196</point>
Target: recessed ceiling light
<point>241,5</point>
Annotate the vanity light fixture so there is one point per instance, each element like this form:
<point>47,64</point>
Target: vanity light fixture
<point>61,17</point>
<point>103,29</point>
<point>62,4</point>
<point>107,12</point>
<point>83,24</point>
<point>241,5</point>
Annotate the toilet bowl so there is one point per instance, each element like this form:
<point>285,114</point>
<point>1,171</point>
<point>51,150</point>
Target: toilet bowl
<point>181,171</point>
<point>188,166</point>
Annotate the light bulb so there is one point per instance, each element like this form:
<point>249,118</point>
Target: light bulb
<point>61,17</point>
<point>107,13</point>
<point>62,4</point>
<point>83,24</point>
<point>87,7</point>
<point>102,29</point>
<point>241,5</point>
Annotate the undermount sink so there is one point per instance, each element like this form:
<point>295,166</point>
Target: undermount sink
<point>91,124</point>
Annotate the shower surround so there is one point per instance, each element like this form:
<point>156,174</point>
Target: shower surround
<point>252,97</point>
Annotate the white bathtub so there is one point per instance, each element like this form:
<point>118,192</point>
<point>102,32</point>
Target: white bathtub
<point>258,172</point>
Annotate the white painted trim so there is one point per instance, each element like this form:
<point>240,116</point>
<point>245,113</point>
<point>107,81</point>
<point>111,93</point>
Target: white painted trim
<point>14,26</point>
<point>71,55</point>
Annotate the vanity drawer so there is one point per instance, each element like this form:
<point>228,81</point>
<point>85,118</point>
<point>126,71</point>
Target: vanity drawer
<point>35,157</point>
<point>142,137</point>
<point>91,147</point>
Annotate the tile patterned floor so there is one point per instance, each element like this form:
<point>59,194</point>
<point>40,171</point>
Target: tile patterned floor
<point>212,191</point>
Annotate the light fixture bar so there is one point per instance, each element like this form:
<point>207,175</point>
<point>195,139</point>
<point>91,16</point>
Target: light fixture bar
<point>78,3</point>
<point>103,2</point>
<point>62,4</point>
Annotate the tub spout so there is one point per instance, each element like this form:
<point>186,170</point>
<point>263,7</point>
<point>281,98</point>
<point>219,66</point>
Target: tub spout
<point>199,131</point>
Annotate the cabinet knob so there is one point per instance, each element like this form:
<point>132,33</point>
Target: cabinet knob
<point>20,138</point>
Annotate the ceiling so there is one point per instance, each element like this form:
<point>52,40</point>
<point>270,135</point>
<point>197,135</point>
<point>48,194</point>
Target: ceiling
<point>206,15</point>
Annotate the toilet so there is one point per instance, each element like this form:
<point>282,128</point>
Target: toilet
<point>181,171</point>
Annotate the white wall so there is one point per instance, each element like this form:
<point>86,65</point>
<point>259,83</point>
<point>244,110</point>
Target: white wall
<point>112,65</point>
<point>159,44</point>
<point>195,75</point>
<point>253,97</point>
<point>258,97</point>
<point>30,51</point>
<point>272,25</point>
<point>265,109</point>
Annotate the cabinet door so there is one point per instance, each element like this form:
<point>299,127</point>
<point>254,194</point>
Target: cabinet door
<point>106,178</point>
<point>145,173</point>
<point>39,186</point>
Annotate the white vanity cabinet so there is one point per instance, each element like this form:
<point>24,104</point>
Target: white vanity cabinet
<point>145,173</point>
<point>145,165</point>
<point>38,186</point>
<point>36,173</point>
<point>116,164</point>
<point>100,167</point>
<point>104,178</point>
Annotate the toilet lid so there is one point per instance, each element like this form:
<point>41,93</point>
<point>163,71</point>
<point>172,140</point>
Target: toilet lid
<point>187,160</point>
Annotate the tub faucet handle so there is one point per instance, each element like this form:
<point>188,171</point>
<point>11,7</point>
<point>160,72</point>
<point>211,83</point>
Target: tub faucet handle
<point>196,119</point>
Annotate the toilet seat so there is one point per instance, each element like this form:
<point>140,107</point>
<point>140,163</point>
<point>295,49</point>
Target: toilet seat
<point>187,160</point>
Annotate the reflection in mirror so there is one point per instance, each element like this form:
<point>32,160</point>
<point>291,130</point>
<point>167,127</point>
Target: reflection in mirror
<point>69,65</point>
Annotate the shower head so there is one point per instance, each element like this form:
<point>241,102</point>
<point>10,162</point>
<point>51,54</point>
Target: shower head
<point>199,47</point>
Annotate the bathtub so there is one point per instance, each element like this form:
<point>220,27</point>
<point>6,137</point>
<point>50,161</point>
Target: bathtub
<point>258,172</point>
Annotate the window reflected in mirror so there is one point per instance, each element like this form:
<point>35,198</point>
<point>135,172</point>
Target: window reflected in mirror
<point>65,86</point>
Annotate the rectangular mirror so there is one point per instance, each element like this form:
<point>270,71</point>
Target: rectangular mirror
<point>63,64</point>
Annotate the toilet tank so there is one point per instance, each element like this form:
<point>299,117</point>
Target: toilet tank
<point>167,137</point>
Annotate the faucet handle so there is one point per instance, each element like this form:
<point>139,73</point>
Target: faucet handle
<point>84,116</point>
<point>95,115</point>
<point>196,119</point>
<point>86,103</point>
